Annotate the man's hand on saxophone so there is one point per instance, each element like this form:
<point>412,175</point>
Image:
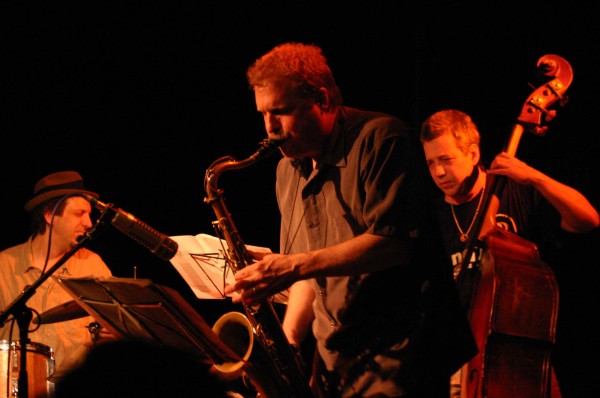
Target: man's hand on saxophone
<point>269,275</point>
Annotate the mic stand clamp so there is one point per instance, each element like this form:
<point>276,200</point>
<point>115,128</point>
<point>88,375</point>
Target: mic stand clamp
<point>23,314</point>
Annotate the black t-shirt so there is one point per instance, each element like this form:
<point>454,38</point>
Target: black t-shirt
<point>522,211</point>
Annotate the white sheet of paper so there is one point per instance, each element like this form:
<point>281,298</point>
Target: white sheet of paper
<point>200,260</point>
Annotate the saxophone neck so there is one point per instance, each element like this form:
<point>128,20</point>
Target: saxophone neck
<point>266,148</point>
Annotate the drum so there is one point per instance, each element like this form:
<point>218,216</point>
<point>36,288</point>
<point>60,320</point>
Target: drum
<point>40,366</point>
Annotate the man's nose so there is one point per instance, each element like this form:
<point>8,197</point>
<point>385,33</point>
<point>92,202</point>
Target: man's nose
<point>272,124</point>
<point>439,170</point>
<point>87,221</point>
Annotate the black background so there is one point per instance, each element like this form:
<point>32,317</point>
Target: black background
<point>141,97</point>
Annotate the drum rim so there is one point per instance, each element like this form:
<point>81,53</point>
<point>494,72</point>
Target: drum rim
<point>31,346</point>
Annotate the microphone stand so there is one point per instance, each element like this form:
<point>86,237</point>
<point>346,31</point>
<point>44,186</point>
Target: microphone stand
<point>23,314</point>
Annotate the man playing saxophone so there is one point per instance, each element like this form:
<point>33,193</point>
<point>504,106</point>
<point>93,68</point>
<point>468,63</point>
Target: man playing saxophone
<point>358,247</point>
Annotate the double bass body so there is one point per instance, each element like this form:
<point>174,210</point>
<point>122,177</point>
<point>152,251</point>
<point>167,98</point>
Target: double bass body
<point>513,318</point>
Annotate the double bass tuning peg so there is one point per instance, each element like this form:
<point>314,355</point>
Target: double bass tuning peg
<point>549,115</point>
<point>540,130</point>
<point>563,100</point>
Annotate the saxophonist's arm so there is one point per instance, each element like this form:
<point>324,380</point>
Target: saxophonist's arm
<point>299,313</point>
<point>276,272</point>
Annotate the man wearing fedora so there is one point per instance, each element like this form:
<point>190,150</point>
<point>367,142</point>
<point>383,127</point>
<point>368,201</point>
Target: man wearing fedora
<point>60,215</point>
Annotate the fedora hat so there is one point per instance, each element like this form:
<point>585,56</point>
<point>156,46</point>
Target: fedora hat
<point>56,185</point>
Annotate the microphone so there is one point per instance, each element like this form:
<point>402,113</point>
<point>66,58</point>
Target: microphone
<point>159,244</point>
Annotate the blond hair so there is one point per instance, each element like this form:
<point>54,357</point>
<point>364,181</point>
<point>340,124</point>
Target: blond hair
<point>453,122</point>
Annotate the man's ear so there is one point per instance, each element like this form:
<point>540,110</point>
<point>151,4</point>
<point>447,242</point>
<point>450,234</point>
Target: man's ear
<point>323,99</point>
<point>47,216</point>
<point>475,153</point>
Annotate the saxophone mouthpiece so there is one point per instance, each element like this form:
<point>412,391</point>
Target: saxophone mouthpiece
<point>266,148</point>
<point>277,142</point>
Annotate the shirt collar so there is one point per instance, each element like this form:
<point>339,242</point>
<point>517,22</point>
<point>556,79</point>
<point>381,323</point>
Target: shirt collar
<point>335,146</point>
<point>26,265</point>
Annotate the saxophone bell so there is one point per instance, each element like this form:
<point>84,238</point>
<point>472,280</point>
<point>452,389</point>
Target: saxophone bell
<point>255,367</point>
<point>236,332</point>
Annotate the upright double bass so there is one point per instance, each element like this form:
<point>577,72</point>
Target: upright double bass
<point>512,295</point>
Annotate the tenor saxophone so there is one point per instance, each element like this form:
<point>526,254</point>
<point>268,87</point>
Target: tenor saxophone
<point>272,364</point>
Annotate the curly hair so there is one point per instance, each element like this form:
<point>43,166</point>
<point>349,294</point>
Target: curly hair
<point>304,65</point>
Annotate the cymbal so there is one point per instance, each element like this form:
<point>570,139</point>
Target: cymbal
<point>63,312</point>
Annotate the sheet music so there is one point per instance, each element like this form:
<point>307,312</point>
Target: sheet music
<point>200,260</point>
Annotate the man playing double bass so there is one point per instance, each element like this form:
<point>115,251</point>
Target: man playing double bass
<point>532,205</point>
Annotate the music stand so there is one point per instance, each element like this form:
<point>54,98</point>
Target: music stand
<point>140,309</point>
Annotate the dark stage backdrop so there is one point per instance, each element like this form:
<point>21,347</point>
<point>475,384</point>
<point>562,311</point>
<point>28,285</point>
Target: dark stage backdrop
<point>141,97</point>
